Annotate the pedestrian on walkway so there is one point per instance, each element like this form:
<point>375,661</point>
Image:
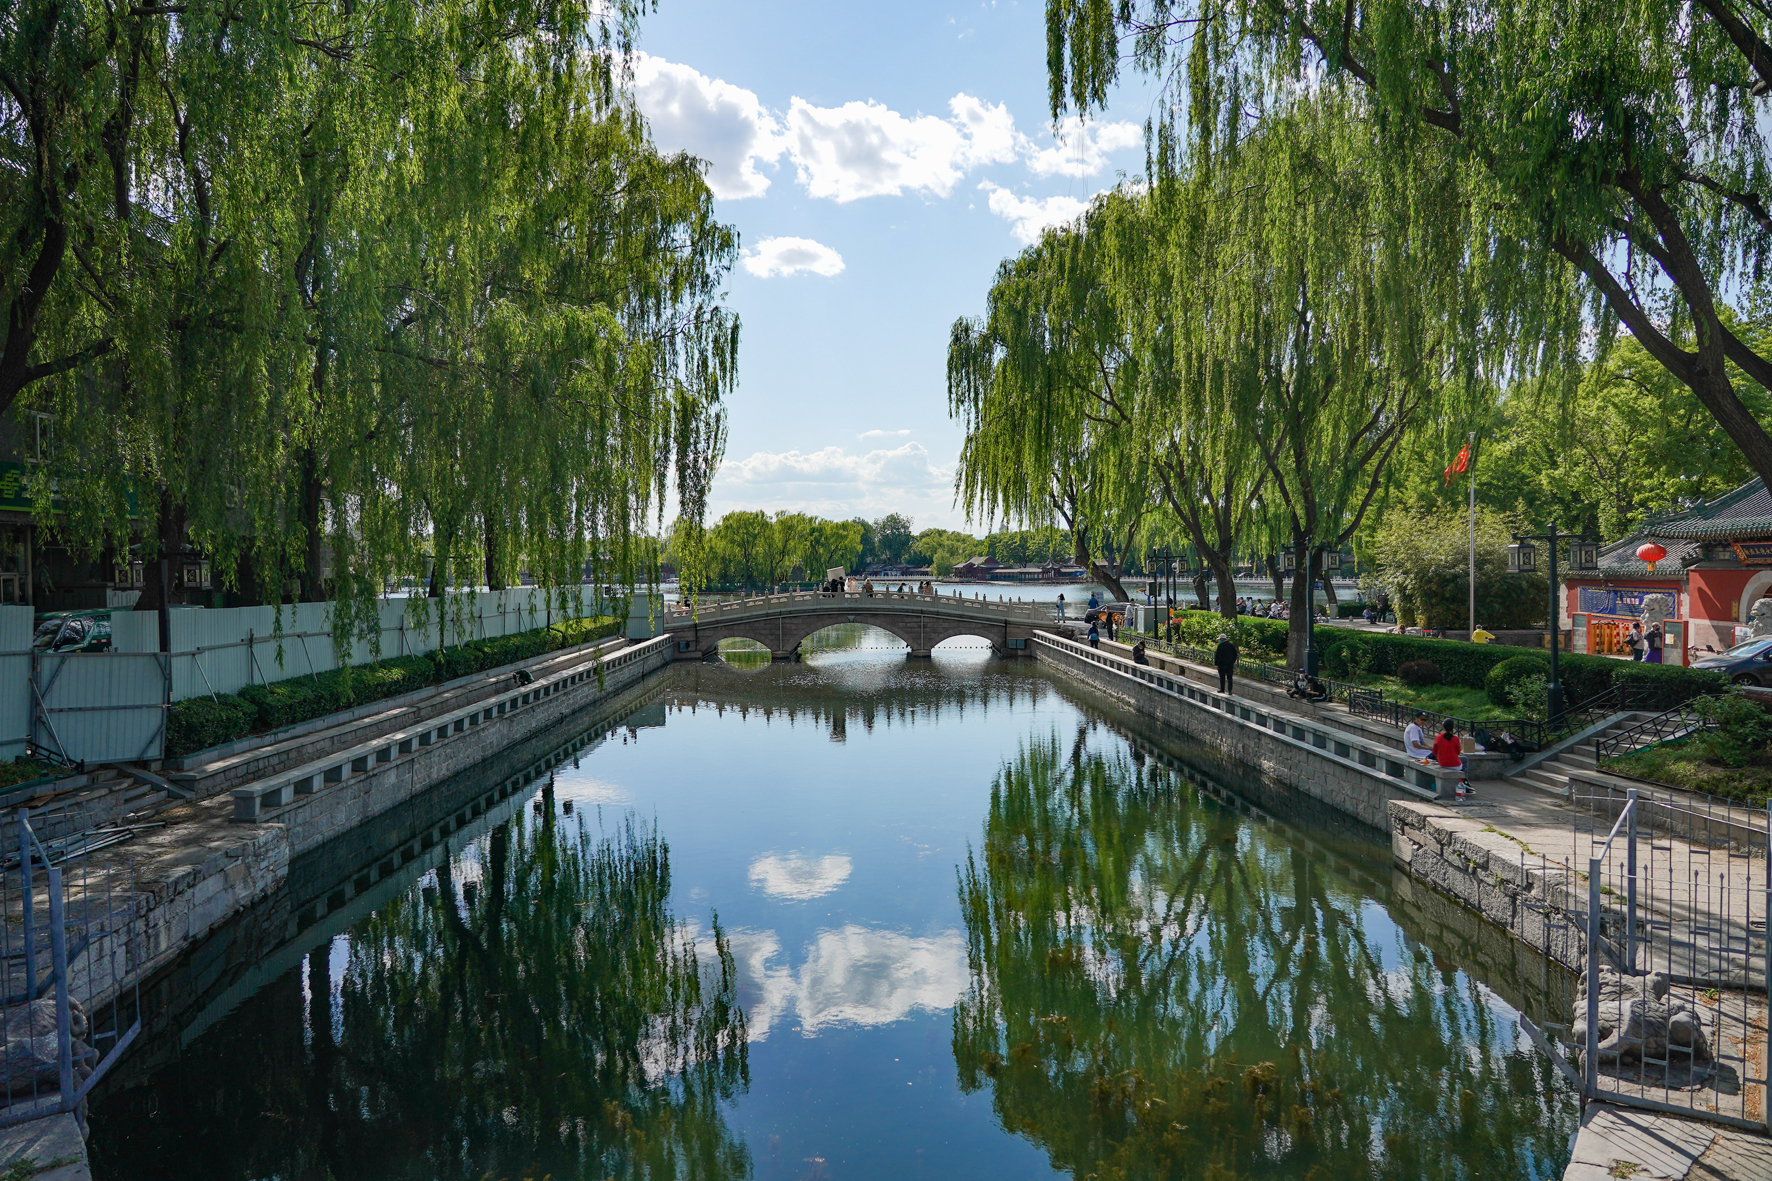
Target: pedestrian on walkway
<point>1653,638</point>
<point>1633,641</point>
<point>1224,659</point>
<point>1061,606</point>
<point>1094,635</point>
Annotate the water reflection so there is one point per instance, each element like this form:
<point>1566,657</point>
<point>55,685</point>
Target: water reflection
<point>1159,990</point>
<point>849,976</point>
<point>798,878</point>
<point>531,1011</point>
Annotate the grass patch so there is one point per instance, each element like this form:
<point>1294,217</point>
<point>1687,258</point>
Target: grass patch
<point>1689,765</point>
<point>1459,701</point>
<point>23,770</point>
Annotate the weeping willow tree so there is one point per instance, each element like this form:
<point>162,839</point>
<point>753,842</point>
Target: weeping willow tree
<point>1162,990</point>
<point>1029,380</point>
<point>1611,154</point>
<point>1256,332</point>
<point>388,288</point>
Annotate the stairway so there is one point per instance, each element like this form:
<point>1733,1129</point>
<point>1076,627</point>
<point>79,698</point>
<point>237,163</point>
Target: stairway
<point>1552,775</point>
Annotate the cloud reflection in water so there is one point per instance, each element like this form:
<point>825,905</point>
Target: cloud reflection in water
<point>799,878</point>
<point>852,975</point>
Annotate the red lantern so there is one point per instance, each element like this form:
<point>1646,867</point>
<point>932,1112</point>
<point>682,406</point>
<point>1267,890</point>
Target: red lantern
<point>1651,553</point>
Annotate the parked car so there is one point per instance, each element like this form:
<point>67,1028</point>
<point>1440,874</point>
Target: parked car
<point>1745,664</point>
<point>73,631</point>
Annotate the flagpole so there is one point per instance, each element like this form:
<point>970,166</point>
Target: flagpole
<point>1471,473</point>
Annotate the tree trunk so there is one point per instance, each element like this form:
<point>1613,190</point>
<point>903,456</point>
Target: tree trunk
<point>1201,593</point>
<point>1273,569</point>
<point>156,591</point>
<point>1299,626</point>
<point>494,580</point>
<point>1329,589</point>
<point>313,589</point>
<point>1226,574</point>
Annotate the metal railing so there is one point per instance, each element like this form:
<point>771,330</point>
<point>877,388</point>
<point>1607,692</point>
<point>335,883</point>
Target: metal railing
<point>59,905</point>
<point>1673,1013</point>
<point>1679,722</point>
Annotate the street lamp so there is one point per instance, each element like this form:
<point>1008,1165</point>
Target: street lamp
<point>1522,558</point>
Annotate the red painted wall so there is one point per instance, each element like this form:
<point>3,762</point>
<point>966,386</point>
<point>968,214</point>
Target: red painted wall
<point>1716,594</point>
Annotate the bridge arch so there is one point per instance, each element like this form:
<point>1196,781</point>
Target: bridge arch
<point>783,634</point>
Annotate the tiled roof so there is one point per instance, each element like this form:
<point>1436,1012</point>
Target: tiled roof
<point>1620,558</point>
<point>1744,513</point>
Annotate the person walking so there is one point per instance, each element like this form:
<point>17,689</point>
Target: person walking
<point>1653,638</point>
<point>1224,659</point>
<point>1061,606</point>
<point>1094,635</point>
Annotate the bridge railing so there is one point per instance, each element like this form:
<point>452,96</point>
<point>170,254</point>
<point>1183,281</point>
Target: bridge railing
<point>708,612</point>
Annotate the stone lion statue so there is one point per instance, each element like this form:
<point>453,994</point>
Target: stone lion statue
<point>1759,618</point>
<point>1657,609</point>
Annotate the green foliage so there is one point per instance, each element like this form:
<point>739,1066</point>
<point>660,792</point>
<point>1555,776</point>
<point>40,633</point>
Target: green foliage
<point>399,290</point>
<point>1257,639</point>
<point>1652,686</point>
<point>1743,728</point>
<point>1459,663</point>
<point>198,723</point>
<point>1605,154</point>
<point>1348,659</point>
<point>1504,676</point>
<point>1530,695</point>
<point>892,538</point>
<point>1423,563</point>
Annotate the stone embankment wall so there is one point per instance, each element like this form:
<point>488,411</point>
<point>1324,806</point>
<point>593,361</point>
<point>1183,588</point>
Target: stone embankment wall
<point>171,887</point>
<point>1514,887</point>
<point>1352,774</point>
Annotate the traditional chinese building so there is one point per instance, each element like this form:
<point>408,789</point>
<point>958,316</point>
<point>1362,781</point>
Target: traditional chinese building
<point>1718,561</point>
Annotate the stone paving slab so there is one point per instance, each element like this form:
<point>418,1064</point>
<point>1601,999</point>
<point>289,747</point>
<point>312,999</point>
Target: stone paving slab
<point>1622,1144</point>
<point>54,1144</point>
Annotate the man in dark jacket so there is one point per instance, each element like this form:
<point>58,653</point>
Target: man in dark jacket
<point>1224,658</point>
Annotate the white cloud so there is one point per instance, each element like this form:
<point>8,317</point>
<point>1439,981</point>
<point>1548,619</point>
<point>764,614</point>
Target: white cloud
<point>1082,148</point>
<point>799,878</point>
<point>791,256</point>
<point>724,124</point>
<point>904,466</point>
<point>866,149</point>
<point>882,434</point>
<point>1029,216</point>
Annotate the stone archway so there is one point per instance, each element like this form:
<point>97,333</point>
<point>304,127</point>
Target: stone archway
<point>1758,587</point>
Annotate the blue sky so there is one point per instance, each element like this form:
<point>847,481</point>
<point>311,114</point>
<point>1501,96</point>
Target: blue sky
<point>879,161</point>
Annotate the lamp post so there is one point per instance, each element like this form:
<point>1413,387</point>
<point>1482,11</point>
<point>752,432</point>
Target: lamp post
<point>1522,558</point>
<point>1165,562</point>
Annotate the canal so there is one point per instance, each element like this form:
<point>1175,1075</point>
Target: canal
<point>864,917</point>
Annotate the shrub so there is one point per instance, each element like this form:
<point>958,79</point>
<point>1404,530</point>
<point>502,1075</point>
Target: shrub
<point>1460,662</point>
<point>1503,677</point>
<point>1530,694</point>
<point>1348,659</point>
<point>201,722</point>
<point>1419,672</point>
<point>1743,728</point>
<point>1259,639</point>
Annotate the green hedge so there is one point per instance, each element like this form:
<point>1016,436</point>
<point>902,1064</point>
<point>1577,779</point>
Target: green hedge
<point>1657,686</point>
<point>1503,677</point>
<point>202,722</point>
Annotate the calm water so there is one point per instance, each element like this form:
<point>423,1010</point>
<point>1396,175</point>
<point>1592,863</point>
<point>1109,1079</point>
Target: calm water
<point>864,918</point>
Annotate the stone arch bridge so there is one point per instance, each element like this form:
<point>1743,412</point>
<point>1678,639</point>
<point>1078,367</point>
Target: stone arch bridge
<point>780,622</point>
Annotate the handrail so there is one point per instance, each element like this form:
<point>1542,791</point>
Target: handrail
<point>1677,722</point>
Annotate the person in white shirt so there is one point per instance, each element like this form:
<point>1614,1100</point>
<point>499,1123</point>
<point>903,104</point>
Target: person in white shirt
<point>1415,741</point>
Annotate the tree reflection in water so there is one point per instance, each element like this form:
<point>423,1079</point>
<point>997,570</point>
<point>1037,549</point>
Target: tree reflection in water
<point>1161,990</point>
<point>542,1015</point>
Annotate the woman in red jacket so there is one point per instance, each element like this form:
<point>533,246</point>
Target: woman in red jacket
<point>1448,752</point>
